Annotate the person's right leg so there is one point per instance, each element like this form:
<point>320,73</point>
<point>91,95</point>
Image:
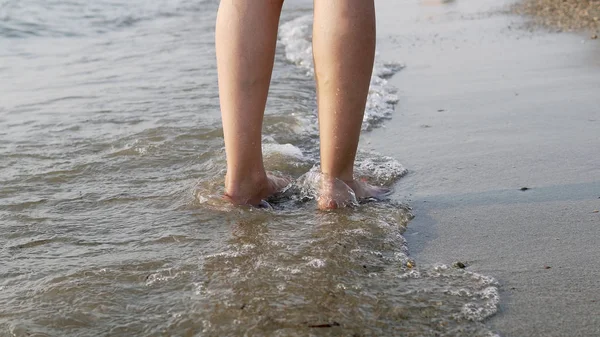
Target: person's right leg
<point>246,35</point>
<point>344,51</point>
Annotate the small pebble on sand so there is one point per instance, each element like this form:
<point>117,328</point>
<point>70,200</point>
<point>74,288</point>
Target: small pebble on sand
<point>459,265</point>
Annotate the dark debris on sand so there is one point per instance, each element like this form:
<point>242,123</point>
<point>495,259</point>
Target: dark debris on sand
<point>564,15</point>
<point>459,265</point>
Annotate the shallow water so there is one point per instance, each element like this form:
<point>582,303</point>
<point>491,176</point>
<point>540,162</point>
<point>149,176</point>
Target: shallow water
<point>111,167</point>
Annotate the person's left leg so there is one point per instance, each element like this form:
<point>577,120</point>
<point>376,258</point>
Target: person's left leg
<point>246,34</point>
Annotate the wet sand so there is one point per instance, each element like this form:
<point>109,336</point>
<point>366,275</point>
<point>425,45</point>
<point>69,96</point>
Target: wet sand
<point>500,130</point>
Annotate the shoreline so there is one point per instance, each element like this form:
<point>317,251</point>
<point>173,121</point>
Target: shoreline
<point>498,127</point>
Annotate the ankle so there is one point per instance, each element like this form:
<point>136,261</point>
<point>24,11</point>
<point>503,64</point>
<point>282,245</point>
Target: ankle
<point>244,189</point>
<point>346,177</point>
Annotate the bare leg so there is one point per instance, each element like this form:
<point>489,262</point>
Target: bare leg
<point>246,35</point>
<point>344,51</point>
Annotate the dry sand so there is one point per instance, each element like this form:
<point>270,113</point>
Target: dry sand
<point>487,109</point>
<point>567,15</point>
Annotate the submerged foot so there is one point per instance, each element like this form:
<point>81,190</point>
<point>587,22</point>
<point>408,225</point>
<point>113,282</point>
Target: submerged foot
<point>253,192</point>
<point>335,193</point>
<point>363,190</point>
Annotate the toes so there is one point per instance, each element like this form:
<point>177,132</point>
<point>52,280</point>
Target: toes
<point>324,204</point>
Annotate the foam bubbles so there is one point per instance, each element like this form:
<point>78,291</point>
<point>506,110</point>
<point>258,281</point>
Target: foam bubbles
<point>285,150</point>
<point>296,38</point>
<point>382,170</point>
<point>316,263</point>
<point>164,275</point>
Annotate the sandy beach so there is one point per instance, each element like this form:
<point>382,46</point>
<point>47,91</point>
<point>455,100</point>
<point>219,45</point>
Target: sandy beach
<point>499,128</point>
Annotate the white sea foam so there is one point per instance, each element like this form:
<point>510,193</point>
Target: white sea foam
<point>375,168</point>
<point>316,263</point>
<point>383,170</point>
<point>296,38</point>
<point>286,150</point>
<point>164,275</point>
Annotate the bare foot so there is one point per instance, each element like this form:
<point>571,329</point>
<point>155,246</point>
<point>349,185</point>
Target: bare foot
<point>335,193</point>
<point>253,192</point>
<point>363,190</point>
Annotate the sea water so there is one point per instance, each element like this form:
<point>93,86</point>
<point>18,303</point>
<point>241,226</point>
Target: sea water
<point>111,171</point>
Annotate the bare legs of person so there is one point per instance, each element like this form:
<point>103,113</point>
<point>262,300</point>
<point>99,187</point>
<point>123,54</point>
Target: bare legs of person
<point>343,46</point>
<point>246,35</point>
